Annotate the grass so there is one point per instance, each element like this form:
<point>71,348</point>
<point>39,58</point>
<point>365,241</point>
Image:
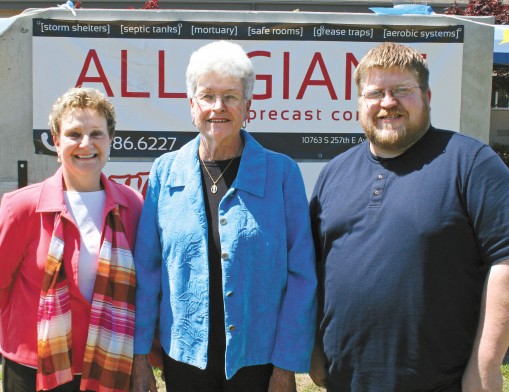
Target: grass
<point>304,383</point>
<point>503,152</point>
<point>505,373</point>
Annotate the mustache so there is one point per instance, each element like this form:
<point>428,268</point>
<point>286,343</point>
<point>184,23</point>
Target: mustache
<point>385,113</point>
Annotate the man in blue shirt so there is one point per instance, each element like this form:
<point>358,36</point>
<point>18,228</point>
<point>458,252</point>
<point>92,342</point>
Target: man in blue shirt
<point>412,237</point>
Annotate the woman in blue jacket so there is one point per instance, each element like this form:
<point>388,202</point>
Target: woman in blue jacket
<point>224,255</point>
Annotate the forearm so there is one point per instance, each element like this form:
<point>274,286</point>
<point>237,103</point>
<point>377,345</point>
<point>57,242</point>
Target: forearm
<point>296,321</point>
<point>493,336</point>
<point>148,289</point>
<point>492,340</point>
<point>12,246</point>
<point>147,310</point>
<point>296,326</point>
<point>282,381</point>
<point>318,371</point>
<point>147,259</point>
<point>142,378</point>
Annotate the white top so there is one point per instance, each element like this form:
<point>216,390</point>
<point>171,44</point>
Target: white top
<point>87,210</point>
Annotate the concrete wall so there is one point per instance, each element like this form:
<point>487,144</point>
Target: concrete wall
<point>16,71</point>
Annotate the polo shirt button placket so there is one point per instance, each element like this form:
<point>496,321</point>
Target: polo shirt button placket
<point>378,188</point>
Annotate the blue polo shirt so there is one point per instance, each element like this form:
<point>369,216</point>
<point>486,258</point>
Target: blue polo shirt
<point>403,248</point>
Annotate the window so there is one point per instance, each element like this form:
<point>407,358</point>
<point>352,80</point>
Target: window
<point>500,86</point>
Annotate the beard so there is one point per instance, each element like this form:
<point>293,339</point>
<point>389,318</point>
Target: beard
<point>401,138</point>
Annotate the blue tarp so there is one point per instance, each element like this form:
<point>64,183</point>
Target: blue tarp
<point>411,9</point>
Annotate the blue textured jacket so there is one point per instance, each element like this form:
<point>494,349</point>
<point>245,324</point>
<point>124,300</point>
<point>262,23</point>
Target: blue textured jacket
<point>267,254</point>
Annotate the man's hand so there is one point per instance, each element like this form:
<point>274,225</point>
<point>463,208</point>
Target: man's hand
<point>318,371</point>
<point>479,380</point>
<point>142,377</point>
<point>483,373</point>
<point>282,381</point>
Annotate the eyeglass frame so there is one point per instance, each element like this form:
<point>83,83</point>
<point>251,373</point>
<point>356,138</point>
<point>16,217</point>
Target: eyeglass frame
<point>223,97</point>
<point>384,93</point>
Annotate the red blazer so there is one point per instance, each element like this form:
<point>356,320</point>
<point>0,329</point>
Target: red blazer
<point>26,225</point>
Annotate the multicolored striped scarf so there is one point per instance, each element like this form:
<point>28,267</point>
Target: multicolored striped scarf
<point>109,350</point>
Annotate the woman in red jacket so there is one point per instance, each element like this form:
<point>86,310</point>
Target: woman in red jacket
<point>67,282</point>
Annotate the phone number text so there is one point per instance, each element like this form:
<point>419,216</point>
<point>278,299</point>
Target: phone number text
<point>149,143</point>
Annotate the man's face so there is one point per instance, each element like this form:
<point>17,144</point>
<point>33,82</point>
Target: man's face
<point>393,124</point>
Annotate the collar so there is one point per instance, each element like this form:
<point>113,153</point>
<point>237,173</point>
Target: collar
<point>52,194</point>
<point>251,176</point>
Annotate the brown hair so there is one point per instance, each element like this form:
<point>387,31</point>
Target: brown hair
<point>81,98</point>
<point>390,55</point>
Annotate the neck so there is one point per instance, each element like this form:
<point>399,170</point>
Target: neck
<point>385,153</point>
<point>220,152</point>
<point>80,185</point>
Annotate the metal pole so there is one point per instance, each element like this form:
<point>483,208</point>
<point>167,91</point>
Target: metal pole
<point>22,174</point>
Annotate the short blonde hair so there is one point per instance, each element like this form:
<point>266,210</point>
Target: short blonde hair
<point>81,98</point>
<point>390,55</point>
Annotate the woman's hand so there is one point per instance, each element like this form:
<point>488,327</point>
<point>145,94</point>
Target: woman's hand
<point>282,381</point>
<point>142,377</point>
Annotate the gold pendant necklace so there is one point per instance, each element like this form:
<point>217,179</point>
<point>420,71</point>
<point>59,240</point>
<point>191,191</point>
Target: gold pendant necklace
<point>213,188</point>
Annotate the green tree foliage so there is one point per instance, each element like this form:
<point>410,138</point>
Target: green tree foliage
<point>503,152</point>
<point>500,77</point>
<point>500,11</point>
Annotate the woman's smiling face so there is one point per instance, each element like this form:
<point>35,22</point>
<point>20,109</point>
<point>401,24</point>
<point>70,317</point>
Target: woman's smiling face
<point>83,146</point>
<point>219,107</point>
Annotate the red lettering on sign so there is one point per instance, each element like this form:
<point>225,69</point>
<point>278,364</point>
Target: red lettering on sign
<point>266,78</point>
<point>317,65</point>
<point>138,181</point>
<point>92,56</point>
<point>326,81</point>
<point>351,63</point>
<point>123,80</point>
<point>162,93</point>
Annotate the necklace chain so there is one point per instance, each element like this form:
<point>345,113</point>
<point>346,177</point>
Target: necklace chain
<point>213,188</point>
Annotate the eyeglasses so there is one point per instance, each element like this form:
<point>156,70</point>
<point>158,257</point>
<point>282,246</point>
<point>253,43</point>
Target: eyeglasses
<point>397,92</point>
<point>209,99</point>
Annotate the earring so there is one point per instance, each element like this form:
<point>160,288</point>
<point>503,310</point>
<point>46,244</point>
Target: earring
<point>244,124</point>
<point>59,160</point>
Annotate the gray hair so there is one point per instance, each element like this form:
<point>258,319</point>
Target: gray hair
<point>222,58</point>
